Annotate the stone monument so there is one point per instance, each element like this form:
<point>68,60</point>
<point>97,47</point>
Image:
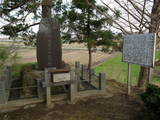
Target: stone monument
<point>49,49</point>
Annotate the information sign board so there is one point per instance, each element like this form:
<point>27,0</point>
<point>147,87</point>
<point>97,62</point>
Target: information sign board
<point>139,49</point>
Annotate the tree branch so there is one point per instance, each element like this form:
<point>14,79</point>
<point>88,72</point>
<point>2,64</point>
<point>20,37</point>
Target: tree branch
<point>121,16</point>
<point>107,16</point>
<point>141,27</point>
<point>18,5</point>
<point>34,24</point>
<point>139,10</point>
<point>135,17</point>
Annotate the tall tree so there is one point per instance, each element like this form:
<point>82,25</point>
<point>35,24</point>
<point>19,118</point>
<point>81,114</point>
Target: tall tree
<point>85,25</point>
<point>20,16</point>
<point>137,16</point>
<point>154,27</point>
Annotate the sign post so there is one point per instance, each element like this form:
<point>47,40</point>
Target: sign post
<point>129,79</point>
<point>139,49</point>
<point>150,70</point>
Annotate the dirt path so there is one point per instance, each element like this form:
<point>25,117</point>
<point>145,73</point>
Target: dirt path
<point>117,107</point>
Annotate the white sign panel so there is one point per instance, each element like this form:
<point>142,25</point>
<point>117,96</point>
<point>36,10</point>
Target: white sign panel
<point>139,49</point>
<point>61,77</point>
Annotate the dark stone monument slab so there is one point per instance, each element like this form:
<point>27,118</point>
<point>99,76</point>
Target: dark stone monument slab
<point>49,50</point>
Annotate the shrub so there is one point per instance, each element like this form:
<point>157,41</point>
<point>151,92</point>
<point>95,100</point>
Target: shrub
<point>17,69</point>
<point>8,56</point>
<point>151,99</point>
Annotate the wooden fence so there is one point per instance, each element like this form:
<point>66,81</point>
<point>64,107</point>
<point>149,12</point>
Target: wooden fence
<point>84,80</point>
<point>88,78</point>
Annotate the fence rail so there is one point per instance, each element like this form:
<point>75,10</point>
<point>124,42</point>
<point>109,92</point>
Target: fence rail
<point>18,89</point>
<point>87,79</point>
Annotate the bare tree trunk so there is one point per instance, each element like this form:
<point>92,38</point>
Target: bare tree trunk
<point>89,61</point>
<point>143,76</point>
<point>89,57</point>
<point>154,28</point>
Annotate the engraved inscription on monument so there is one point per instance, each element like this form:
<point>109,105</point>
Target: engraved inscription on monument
<point>139,49</point>
<point>49,50</point>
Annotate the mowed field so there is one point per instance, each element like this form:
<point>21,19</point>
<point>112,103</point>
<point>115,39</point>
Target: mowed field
<point>69,56</point>
<point>71,53</point>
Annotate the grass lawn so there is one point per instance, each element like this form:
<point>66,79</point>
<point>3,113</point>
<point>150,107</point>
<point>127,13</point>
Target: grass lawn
<point>116,69</point>
<point>157,78</point>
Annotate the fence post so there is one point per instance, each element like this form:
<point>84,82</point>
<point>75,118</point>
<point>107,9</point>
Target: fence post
<point>7,74</point>
<point>77,64</point>
<point>48,89</point>
<point>83,71</point>
<point>5,77</point>
<point>73,87</point>
<point>77,72</point>
<point>40,89</point>
<point>102,81</point>
<point>3,99</point>
<point>91,75</point>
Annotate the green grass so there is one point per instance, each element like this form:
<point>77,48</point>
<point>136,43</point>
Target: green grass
<point>157,55</point>
<point>116,69</point>
<point>16,69</point>
<point>157,78</point>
